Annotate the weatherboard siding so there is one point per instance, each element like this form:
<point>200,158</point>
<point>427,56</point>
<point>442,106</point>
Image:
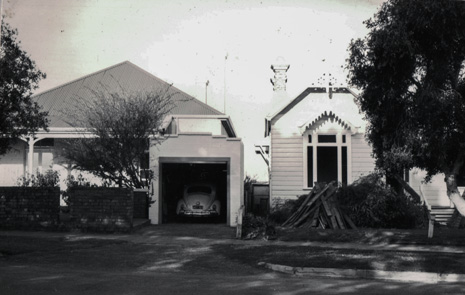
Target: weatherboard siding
<point>287,158</point>
<point>362,161</point>
<point>12,164</point>
<point>435,191</point>
<point>287,164</point>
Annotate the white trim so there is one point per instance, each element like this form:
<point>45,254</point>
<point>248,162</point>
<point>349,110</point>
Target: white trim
<point>315,160</point>
<point>201,116</point>
<point>281,107</point>
<point>315,144</point>
<point>196,133</point>
<point>78,132</point>
<point>349,158</point>
<point>339,155</point>
<point>325,116</point>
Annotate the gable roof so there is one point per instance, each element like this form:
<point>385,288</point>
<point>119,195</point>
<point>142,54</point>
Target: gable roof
<point>317,92</point>
<point>289,105</point>
<point>127,75</point>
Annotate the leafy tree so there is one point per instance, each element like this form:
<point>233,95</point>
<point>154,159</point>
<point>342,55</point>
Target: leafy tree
<point>19,114</point>
<point>410,69</point>
<point>120,123</point>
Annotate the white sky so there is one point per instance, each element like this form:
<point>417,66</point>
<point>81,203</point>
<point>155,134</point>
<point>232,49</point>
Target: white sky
<point>185,43</point>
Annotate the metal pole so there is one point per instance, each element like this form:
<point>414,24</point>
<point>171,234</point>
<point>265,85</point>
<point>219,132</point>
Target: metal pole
<point>224,99</point>
<point>206,90</point>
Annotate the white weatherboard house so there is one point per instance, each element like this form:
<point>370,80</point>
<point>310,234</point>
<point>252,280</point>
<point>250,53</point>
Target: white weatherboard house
<point>199,143</point>
<point>319,136</point>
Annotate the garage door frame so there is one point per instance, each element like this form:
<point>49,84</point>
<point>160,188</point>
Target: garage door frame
<point>196,160</point>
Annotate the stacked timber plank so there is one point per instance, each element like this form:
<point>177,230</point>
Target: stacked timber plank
<point>320,210</point>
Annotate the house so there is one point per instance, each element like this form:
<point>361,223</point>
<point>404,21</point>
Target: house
<point>319,136</point>
<point>199,143</point>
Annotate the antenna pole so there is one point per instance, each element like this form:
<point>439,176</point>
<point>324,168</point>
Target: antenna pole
<point>206,90</point>
<point>224,91</point>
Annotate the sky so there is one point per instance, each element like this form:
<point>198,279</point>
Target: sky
<point>230,44</point>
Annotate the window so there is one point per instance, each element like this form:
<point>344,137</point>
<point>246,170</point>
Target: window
<point>145,172</point>
<point>42,160</point>
<point>309,164</point>
<point>327,158</point>
<point>326,138</point>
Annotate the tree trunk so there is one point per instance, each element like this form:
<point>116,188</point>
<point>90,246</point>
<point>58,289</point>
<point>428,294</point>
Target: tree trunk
<point>454,194</point>
<point>394,183</point>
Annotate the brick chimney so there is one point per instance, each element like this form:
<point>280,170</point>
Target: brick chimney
<point>280,77</point>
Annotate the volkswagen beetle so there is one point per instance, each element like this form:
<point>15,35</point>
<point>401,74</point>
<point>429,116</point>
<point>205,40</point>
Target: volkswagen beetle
<point>199,200</point>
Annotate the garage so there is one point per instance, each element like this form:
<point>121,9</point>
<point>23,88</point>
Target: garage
<point>179,183</point>
<point>182,159</point>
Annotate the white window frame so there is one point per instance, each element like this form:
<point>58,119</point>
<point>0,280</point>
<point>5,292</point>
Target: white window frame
<point>40,150</point>
<point>315,144</point>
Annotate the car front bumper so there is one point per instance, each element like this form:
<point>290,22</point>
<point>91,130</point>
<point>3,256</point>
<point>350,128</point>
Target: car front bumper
<point>198,213</point>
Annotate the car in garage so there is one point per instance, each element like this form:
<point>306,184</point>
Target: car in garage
<point>199,200</point>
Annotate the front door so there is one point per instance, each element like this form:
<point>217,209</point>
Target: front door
<point>326,163</point>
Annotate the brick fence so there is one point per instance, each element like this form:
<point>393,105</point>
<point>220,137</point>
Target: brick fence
<point>29,207</point>
<point>102,209</point>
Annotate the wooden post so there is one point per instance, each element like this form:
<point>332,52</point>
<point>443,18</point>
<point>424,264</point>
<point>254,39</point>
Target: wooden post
<point>240,214</point>
<point>30,156</point>
<point>431,220</point>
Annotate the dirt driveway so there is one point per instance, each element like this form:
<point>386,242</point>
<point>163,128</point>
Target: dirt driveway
<point>166,259</point>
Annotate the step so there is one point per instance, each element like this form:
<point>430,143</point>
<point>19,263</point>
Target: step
<point>442,214</point>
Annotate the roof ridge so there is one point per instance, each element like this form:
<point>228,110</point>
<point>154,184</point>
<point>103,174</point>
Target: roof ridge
<point>206,105</point>
<point>304,93</point>
<point>81,78</point>
<point>177,89</point>
<point>138,68</point>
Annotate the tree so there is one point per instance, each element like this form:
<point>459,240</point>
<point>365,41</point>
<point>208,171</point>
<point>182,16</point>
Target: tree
<point>19,113</point>
<point>120,124</point>
<point>410,70</point>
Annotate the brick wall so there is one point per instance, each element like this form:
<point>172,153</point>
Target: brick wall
<point>29,208</point>
<point>102,209</point>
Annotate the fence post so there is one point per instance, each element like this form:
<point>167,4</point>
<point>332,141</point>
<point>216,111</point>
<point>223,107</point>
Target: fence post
<point>240,214</point>
<point>431,220</point>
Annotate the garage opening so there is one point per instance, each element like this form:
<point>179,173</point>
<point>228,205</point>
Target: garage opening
<point>194,192</point>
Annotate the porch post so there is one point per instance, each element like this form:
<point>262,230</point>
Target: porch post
<point>30,161</point>
<point>339,156</point>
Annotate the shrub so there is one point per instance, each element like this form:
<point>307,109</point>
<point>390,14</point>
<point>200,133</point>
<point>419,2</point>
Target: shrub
<point>369,203</point>
<point>281,211</point>
<point>48,179</point>
<point>257,227</point>
<point>79,181</point>
<point>71,182</point>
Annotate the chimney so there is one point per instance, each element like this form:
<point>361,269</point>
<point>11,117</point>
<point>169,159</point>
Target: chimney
<point>280,77</point>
